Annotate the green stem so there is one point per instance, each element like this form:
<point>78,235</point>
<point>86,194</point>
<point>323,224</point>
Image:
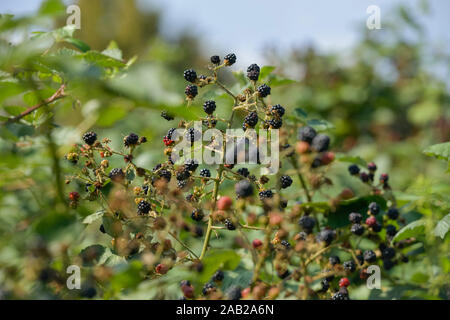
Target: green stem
<point>302,180</point>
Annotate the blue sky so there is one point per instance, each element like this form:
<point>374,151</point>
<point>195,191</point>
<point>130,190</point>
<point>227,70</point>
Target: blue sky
<point>248,26</point>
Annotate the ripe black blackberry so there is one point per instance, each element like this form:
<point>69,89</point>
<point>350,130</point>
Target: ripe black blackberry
<point>391,230</point>
<point>218,276</point>
<point>285,181</point>
<point>325,285</point>
<point>349,265</point>
<point>317,162</point>
<point>209,106</point>
<point>374,208</point>
<point>181,184</point>
<point>191,91</point>
<point>364,177</point>
<point>355,217</point>
<point>205,173</point>
<point>90,137</point>
<point>388,253</point>
<point>283,275</point>
<point>285,244</point>
<point>275,123</point>
<point>306,134</point>
<point>166,174</point>
<point>357,229</point>
<point>393,213</point>
<point>183,174</point>
<point>167,116</point>
<point>372,167</point>
<point>377,227</point>
<point>131,140</point>
<point>342,294</point>
<point>143,207</point>
<point>229,224</point>
<point>334,260</point>
<point>244,189</point>
<point>253,72</point>
<point>277,110</point>
<point>388,264</point>
<point>215,59</point>
<point>265,194</point>
<point>264,90</point>
<point>243,172</point>
<point>208,288</point>
<point>229,59</point>
<point>116,174</point>
<point>190,75</point>
<point>353,169</point>
<point>191,165</point>
<point>369,256</point>
<point>88,291</point>
<point>321,142</point>
<point>234,293</point>
<point>197,215</point>
<point>326,236</point>
<point>307,223</point>
<point>251,119</point>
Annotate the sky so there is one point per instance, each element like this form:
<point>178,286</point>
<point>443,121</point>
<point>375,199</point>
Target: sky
<point>248,26</point>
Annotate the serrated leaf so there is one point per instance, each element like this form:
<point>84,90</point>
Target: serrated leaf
<point>93,217</point>
<point>439,151</point>
<point>413,229</point>
<point>265,71</point>
<point>442,227</point>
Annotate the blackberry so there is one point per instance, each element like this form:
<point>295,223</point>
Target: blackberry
<point>384,178</point>
<point>349,265</point>
<point>284,275</point>
<point>207,288</point>
<point>369,256</point>
<point>197,215</point>
<point>166,174</point>
<point>190,75</point>
<point>234,293</point>
<point>388,264</point>
<point>376,227</point>
<point>143,207</point>
<point>253,72</point>
<point>393,213</point>
<point>191,91</point>
<point>364,177</point>
<point>167,116</point>
<point>334,260</point>
<point>181,184</point>
<point>391,230</point>
<point>321,143</point>
<point>218,276</point>
<point>342,294</point>
<point>215,59</point>
<point>251,119</point>
<point>277,110</point>
<point>353,169</point>
<point>244,189</point>
<point>307,223</point>
<point>325,285</point>
<point>357,229</point>
<point>285,244</point>
<point>193,135</point>
<point>145,189</point>
<point>183,174</point>
<point>116,174</point>
<point>205,173</point>
<point>265,194</point>
<point>90,137</point>
<point>88,291</point>
<point>264,90</point>
<point>372,167</point>
<point>306,134</point>
<point>209,106</point>
<point>275,123</point>
<point>131,140</point>
<point>388,253</point>
<point>326,236</point>
<point>243,172</point>
<point>191,164</point>
<point>355,217</point>
<point>285,181</point>
<point>229,224</point>
<point>374,208</point>
<point>229,59</point>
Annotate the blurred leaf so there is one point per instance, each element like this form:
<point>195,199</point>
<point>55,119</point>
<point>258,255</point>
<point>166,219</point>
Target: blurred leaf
<point>442,227</point>
<point>265,71</point>
<point>217,259</point>
<point>352,159</point>
<point>52,7</point>
<point>78,44</point>
<point>93,217</point>
<point>440,151</point>
<point>414,229</point>
<point>320,125</point>
<point>113,51</point>
<point>301,113</point>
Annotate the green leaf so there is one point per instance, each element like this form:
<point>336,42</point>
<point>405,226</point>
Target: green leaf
<point>320,125</point>
<point>93,217</point>
<point>413,229</point>
<point>301,113</point>
<point>52,7</point>
<point>240,77</point>
<point>218,259</point>
<point>78,44</point>
<point>266,71</point>
<point>102,60</point>
<point>442,227</point>
<point>439,151</point>
<point>276,81</point>
<point>352,159</point>
<point>14,110</point>
<point>113,51</point>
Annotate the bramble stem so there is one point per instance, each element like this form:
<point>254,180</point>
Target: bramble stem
<point>302,180</point>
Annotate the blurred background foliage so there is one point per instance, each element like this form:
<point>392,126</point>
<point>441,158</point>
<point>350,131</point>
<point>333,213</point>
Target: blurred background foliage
<point>387,100</point>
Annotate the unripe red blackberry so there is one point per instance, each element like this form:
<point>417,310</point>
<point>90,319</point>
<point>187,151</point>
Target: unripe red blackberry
<point>191,91</point>
<point>369,256</point>
<point>143,207</point>
<point>357,229</point>
<point>90,137</point>
<point>131,140</point>
<point>244,189</point>
<point>371,221</point>
<point>344,282</point>
<point>197,215</point>
<point>229,224</point>
<point>353,169</point>
<point>306,134</point>
<point>257,243</point>
<point>355,217</point>
<point>190,75</point>
<point>253,72</point>
<point>215,59</point>
<point>321,143</point>
<point>229,59</point>
<point>74,196</point>
<point>264,90</point>
<point>285,181</point>
<point>209,106</point>
<point>224,203</point>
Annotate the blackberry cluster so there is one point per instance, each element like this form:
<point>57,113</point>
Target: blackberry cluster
<point>253,72</point>
<point>131,140</point>
<point>90,137</point>
<point>143,207</point>
<point>229,59</point>
<point>265,194</point>
<point>285,181</point>
<point>205,173</point>
<point>190,75</point>
<point>209,106</point>
<point>244,189</point>
<point>264,90</point>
